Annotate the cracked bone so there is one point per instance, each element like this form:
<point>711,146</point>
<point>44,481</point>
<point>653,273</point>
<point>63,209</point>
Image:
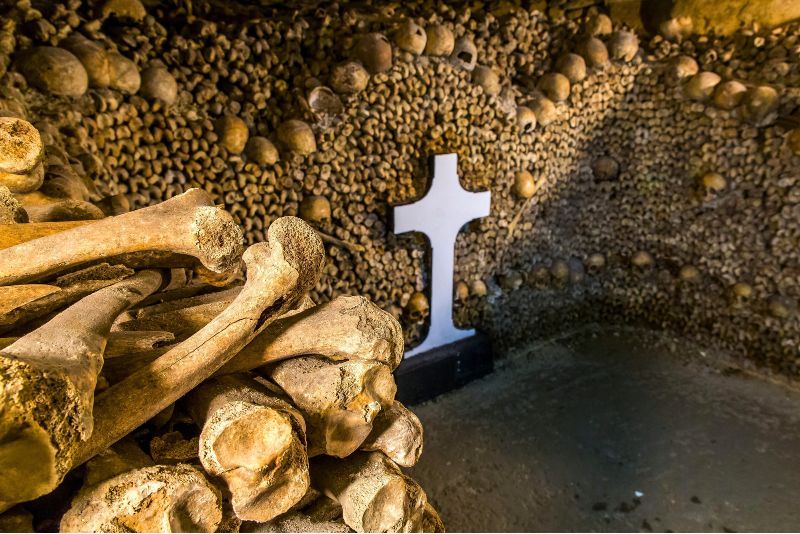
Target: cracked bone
<point>47,383</point>
<point>374,494</point>
<point>338,400</point>
<point>344,328</point>
<point>187,224</point>
<point>255,442</point>
<point>159,498</point>
<point>279,274</point>
<point>397,433</point>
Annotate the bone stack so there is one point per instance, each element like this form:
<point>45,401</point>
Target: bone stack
<point>343,103</point>
<point>179,382</point>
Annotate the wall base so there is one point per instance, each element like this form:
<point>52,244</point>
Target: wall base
<point>443,369</point>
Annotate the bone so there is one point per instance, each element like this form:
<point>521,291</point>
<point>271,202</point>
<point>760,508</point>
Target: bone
<point>338,400</point>
<point>127,343</point>
<point>117,368</point>
<point>160,498</point>
<point>279,273</point>
<point>255,442</point>
<point>374,494</point>
<point>21,147</point>
<point>186,224</point>
<point>49,378</point>
<point>64,210</point>
<point>23,183</point>
<point>73,287</point>
<point>121,458</point>
<point>16,234</point>
<point>12,297</point>
<point>17,519</point>
<point>397,433</point>
<point>345,328</point>
<point>431,521</point>
<point>11,211</point>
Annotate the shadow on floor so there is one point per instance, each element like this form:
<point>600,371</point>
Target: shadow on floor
<point>612,431</point>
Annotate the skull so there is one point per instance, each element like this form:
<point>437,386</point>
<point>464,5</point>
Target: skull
<point>324,103</point>
<point>539,277</point>
<point>559,270</point>
<point>781,307</point>
<point>642,260</point>
<point>526,120</point>
<point>417,308</point>
<point>464,55</point>
<point>689,274</point>
<point>440,40</point>
<point>740,293</point>
<point>710,186</point>
<point>478,288</point>
<point>461,291</point>
<point>315,209</point>
<point>375,52</point>
<point>349,78</point>
<point>595,263</point>
<point>411,37</point>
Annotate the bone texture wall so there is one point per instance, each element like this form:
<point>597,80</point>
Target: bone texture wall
<point>647,179</point>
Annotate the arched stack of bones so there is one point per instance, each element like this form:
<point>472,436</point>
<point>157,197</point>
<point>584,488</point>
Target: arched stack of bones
<point>634,179</point>
<point>187,384</point>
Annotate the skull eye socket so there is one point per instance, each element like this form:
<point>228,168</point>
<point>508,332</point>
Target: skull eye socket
<point>465,56</point>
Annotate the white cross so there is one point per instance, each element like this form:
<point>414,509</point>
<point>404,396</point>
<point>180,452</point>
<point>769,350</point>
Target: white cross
<point>440,214</point>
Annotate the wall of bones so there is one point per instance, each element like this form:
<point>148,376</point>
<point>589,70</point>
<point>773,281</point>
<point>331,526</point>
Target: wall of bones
<point>640,179</point>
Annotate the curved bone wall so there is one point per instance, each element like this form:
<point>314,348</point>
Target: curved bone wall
<point>638,191</point>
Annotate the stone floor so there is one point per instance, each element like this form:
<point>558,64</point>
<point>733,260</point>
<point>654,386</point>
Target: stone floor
<point>614,431</point>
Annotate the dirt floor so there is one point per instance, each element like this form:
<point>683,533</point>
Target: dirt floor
<point>617,430</point>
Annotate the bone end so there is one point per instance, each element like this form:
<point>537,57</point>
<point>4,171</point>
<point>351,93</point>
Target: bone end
<point>397,432</point>
<point>301,247</point>
<point>34,446</point>
<point>219,240</point>
<point>258,453</point>
<point>151,499</point>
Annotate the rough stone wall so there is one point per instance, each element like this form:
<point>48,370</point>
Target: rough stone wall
<point>671,252</point>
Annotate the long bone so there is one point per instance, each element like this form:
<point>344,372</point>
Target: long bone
<point>375,495</point>
<point>397,433</point>
<point>255,442</point>
<point>158,498</point>
<point>338,400</point>
<point>279,273</point>
<point>47,383</point>
<point>343,329</point>
<point>186,224</point>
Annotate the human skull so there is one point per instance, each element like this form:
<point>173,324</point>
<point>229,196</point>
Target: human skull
<point>465,54</point>
<point>417,308</point>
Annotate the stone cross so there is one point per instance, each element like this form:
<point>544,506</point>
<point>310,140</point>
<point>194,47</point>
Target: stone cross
<point>440,214</point>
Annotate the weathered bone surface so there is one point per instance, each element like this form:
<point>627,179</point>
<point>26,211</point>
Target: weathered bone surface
<point>73,287</point>
<point>64,210</point>
<point>254,441</point>
<point>339,400</point>
<point>47,382</point>
<point>279,273</point>
<point>160,498</point>
<point>12,297</point>
<point>397,433</point>
<point>186,224</point>
<point>15,234</point>
<point>344,328</point>
<point>374,494</point>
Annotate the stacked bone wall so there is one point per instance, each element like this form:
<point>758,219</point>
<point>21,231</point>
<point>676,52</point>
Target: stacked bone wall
<point>536,259</point>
